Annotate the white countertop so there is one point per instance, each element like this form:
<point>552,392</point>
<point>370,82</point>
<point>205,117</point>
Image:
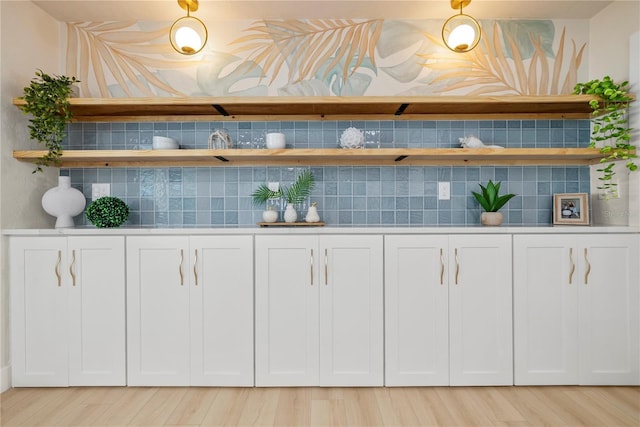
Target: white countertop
<point>91,231</point>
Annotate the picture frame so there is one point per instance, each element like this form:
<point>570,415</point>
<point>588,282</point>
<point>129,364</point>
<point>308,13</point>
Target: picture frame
<point>571,209</point>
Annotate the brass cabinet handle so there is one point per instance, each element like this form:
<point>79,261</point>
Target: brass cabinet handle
<point>326,268</point>
<point>441,266</point>
<point>72,266</point>
<point>586,274</point>
<point>311,267</point>
<point>56,270</point>
<point>572,269</point>
<point>180,267</point>
<point>457,265</point>
<point>195,267</point>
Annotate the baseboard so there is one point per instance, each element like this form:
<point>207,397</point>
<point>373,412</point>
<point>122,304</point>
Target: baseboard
<point>5,379</point>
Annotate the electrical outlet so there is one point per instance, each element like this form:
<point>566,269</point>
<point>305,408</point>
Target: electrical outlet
<point>444,190</point>
<point>273,186</point>
<point>100,190</point>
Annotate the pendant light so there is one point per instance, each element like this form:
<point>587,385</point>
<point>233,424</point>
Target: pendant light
<point>188,34</point>
<point>461,33</point>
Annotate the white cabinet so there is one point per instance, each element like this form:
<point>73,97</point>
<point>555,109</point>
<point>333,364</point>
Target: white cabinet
<point>67,311</point>
<point>190,310</point>
<point>576,303</point>
<point>448,317</point>
<point>319,310</point>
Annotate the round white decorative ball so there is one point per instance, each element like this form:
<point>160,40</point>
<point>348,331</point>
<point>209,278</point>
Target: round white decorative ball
<point>352,138</point>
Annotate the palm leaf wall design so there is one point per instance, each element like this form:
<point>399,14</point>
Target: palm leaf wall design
<point>306,46</point>
<point>488,70</point>
<point>130,56</point>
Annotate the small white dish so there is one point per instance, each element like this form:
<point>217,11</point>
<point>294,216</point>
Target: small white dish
<point>164,143</point>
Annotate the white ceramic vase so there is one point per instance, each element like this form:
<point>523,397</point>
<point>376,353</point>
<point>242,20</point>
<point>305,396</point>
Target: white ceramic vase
<point>312,214</point>
<point>63,202</point>
<point>270,215</point>
<point>290,214</point>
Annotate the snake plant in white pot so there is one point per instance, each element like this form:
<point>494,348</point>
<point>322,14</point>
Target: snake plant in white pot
<point>491,202</point>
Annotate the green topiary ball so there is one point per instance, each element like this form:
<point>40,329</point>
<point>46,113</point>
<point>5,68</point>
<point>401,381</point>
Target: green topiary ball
<point>107,212</point>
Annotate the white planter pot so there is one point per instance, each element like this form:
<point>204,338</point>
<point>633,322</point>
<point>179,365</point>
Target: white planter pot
<point>491,218</point>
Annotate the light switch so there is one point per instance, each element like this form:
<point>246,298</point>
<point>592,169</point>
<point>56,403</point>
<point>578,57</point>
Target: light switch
<point>100,190</point>
<point>273,186</point>
<point>444,190</point>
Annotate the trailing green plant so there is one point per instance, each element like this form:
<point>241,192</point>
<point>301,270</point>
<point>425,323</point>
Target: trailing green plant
<point>489,199</point>
<point>107,212</point>
<point>301,189</point>
<point>47,100</point>
<point>610,126</point>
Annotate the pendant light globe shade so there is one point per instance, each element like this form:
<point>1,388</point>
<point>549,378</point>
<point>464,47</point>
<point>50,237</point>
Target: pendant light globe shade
<point>461,33</point>
<point>188,35</point>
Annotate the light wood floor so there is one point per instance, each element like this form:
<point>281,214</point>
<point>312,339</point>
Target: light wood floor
<point>420,406</point>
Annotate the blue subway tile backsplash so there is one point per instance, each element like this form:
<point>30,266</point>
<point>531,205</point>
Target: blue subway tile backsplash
<point>346,195</point>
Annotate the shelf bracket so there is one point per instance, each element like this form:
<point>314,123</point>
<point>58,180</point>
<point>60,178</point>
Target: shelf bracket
<point>400,158</point>
<point>222,159</point>
<point>401,109</point>
<point>220,109</point>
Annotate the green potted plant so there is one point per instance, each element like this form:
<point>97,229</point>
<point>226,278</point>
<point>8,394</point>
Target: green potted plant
<point>610,129</point>
<point>297,193</point>
<point>491,202</point>
<point>267,196</point>
<point>47,100</point>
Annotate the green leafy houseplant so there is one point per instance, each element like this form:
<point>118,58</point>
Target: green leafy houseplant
<point>610,126</point>
<point>47,100</point>
<point>301,189</point>
<point>489,199</point>
<point>263,194</point>
<point>297,193</point>
<point>107,212</point>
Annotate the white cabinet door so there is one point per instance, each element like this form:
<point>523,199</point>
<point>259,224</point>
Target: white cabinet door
<point>287,316</point>
<point>546,283</point>
<point>319,317</point>
<point>416,311</point>
<point>96,290</point>
<point>67,305</point>
<point>157,311</point>
<point>351,311</point>
<point>448,310</point>
<point>221,301</point>
<point>39,312</point>
<point>576,309</point>
<point>608,308</point>
<point>480,310</point>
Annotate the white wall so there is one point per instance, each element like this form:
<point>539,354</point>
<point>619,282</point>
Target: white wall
<point>634,121</point>
<point>610,33</point>
<point>29,39</point>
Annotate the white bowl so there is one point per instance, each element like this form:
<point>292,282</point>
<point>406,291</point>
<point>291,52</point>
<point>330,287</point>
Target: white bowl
<point>165,143</point>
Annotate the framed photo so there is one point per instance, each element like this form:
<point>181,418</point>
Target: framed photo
<point>571,209</point>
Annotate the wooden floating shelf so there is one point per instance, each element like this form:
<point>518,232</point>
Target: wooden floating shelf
<point>322,157</point>
<point>329,108</point>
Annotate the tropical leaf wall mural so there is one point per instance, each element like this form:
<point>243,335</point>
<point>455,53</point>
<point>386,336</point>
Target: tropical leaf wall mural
<point>309,46</point>
<point>97,51</point>
<point>324,57</point>
<point>502,65</point>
